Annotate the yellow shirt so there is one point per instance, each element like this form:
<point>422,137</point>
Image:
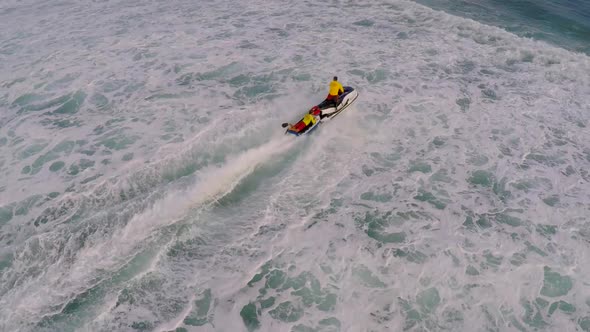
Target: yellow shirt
<point>335,87</point>
<point>309,118</point>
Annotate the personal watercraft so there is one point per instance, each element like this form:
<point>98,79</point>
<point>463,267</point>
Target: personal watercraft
<point>322,112</point>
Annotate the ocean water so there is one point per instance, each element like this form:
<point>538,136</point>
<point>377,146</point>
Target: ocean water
<point>565,23</point>
<point>146,184</point>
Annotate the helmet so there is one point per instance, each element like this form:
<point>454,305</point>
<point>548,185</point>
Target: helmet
<point>315,110</point>
<point>335,78</point>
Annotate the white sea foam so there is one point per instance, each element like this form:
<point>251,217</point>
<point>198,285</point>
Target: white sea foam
<point>452,196</point>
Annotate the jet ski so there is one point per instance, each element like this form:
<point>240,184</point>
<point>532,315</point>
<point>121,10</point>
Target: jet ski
<point>322,112</point>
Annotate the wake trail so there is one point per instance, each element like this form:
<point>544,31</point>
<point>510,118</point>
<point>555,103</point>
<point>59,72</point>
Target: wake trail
<point>143,229</point>
<point>213,184</point>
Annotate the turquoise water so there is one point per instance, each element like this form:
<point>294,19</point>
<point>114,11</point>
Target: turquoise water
<point>565,23</point>
<point>146,183</point>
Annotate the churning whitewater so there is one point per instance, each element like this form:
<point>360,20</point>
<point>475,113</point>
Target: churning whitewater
<point>146,183</point>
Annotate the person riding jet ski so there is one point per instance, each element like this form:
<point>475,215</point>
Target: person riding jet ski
<point>336,89</point>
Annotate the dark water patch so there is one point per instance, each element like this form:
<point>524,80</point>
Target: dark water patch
<point>201,306</point>
<point>438,141</point>
<point>63,148</point>
<point>555,284</point>
<point>255,90</point>
<point>87,152</point>
<point>5,260</point>
<point>91,178</point>
<point>80,166</point>
<point>475,221</point>
<point>532,315</point>
<point>374,76</point>
<point>127,157</point>
<point>356,72</point>
<point>464,67</point>
<point>386,160</point>
<point>56,166</point>
<point>365,23</point>
<point>168,95</point>
<point>27,98</point>
<point>26,170</point>
<point>112,85</point>
<point>550,161</point>
<point>471,270</point>
<point>532,248</point>
<point>99,101</point>
<point>444,119</point>
<point>335,204</point>
<point>482,178</point>
<point>239,80</point>
<point>410,254</point>
<point>487,72</point>
<point>453,319</point>
<point>506,219</point>
<point>287,312</point>
<point>32,150</point>
<point>6,213</point>
<point>366,277</point>
<point>118,141</point>
<point>412,316</point>
<point>489,94</point>
<point>40,161</point>
<point>499,188</point>
<point>376,225</point>
<point>377,76</point>
<point>441,176</point>
<point>564,307</point>
<point>249,316</point>
<point>432,51</point>
<point>248,45</point>
<point>428,300</point>
<point>279,32</point>
<point>63,123</point>
<point>419,166</point>
<point>425,196</point>
<point>73,105</point>
<point>491,261</point>
<point>551,200</point>
<point>546,230</point>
